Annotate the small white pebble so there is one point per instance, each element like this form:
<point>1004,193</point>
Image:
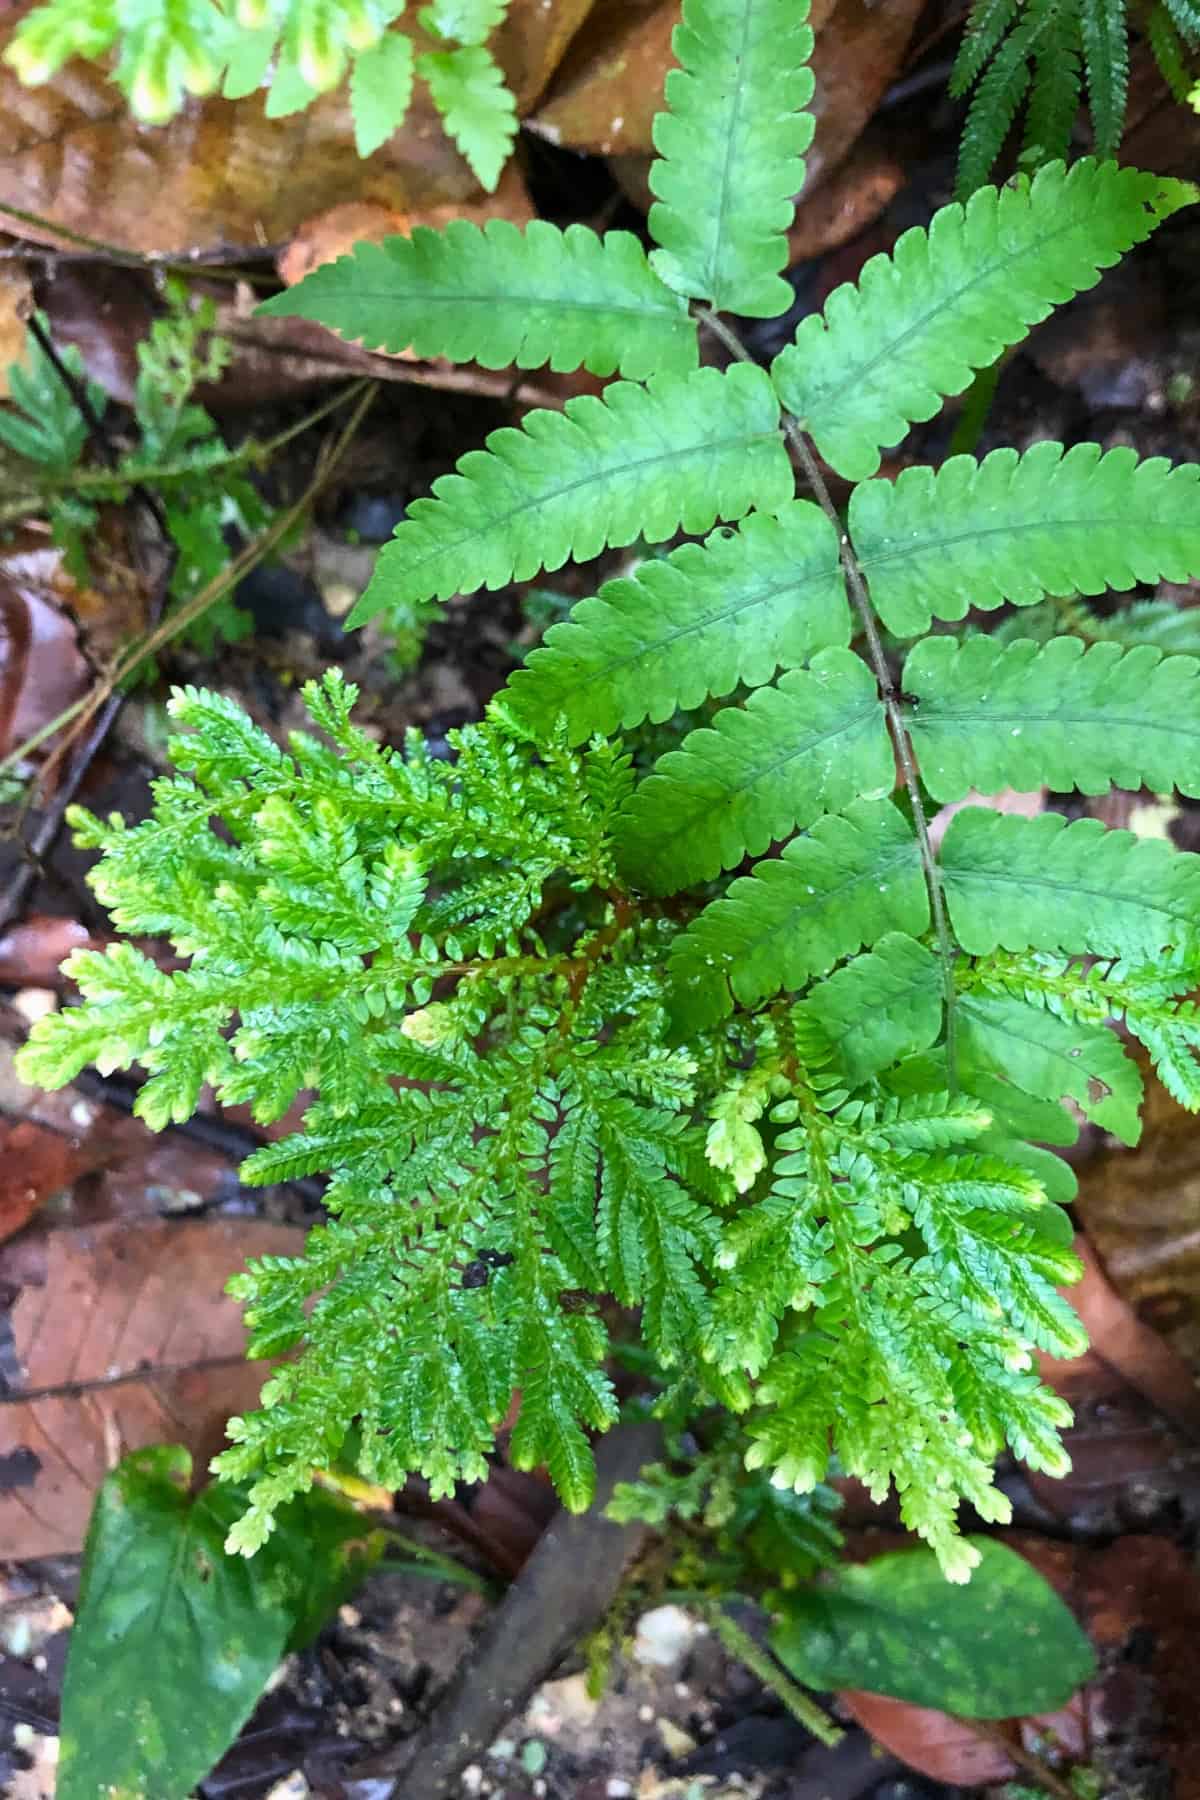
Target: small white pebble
<point>472,1778</point>
<point>618,1789</point>
<point>646,1714</point>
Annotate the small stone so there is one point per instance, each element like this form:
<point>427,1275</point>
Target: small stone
<point>618,1789</point>
<point>664,1637</point>
<point>676,1742</point>
<point>292,1787</point>
<point>472,1779</point>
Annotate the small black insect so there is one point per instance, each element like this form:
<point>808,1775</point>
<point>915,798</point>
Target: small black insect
<point>477,1273</point>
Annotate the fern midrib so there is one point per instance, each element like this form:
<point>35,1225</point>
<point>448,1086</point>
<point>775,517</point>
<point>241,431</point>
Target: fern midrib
<point>794,583</point>
<point>1182,909</point>
<point>727,163</point>
<point>762,772</point>
<point>903,856</point>
<point>947,715</point>
<point>892,347</point>
<point>713,447</point>
<point>929,546</point>
<point>507,297</point>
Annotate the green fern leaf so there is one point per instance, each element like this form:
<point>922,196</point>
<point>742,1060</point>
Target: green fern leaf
<point>1017,528</point>
<point>1052,1058</point>
<point>499,296</point>
<point>730,149</point>
<point>477,109</point>
<point>1042,884</point>
<point>991,717</point>
<point>1103,28</point>
<point>1054,101</point>
<point>639,463</point>
<point>995,102</point>
<point>380,90</point>
<point>851,880</point>
<point>462,21</point>
<point>694,623</point>
<point>881,1007</point>
<point>989,21</point>
<point>1165,40</point>
<point>1186,14</point>
<point>949,300</point>
<point>804,747</point>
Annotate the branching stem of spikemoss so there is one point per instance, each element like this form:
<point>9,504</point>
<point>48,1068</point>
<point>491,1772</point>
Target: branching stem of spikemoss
<point>739,1643</point>
<point>857,585</point>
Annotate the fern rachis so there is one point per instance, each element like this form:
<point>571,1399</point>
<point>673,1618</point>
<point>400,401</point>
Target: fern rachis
<point>794,1115</point>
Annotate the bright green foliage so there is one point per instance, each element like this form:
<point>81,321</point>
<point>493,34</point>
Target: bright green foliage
<point>694,623</point>
<point>853,878</point>
<point>381,82</point>
<point>730,152</point>
<point>46,426</point>
<point>796,1114</point>
<point>296,50</point>
<point>641,462</point>
<point>974,534</point>
<point>1040,49</point>
<point>1065,715</point>
<point>1075,884</point>
<point>203,1632</point>
<point>498,296</point>
<point>794,751</point>
<point>200,485</point>
<point>947,301</point>
<point>1003,1648</point>
<point>477,109</point>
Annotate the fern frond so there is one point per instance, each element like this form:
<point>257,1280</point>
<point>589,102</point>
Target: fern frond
<point>996,100</point>
<point>849,881</point>
<point>730,152</point>
<point>478,111</point>
<point>947,301</point>
<point>641,462</point>
<point>694,623</point>
<point>796,750</point>
<point>1165,37</point>
<point>1052,1058</point>
<point>501,296</point>
<point>1104,31</point>
<point>1054,99</point>
<point>882,1006</point>
<point>1016,528</point>
<point>989,21</point>
<point>1066,716</point>
<point>1042,884</point>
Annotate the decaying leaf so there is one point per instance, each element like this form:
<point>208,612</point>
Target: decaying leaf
<point>35,1162</point>
<point>610,85</point>
<point>41,667</point>
<point>16,302</point>
<point>126,1340</point>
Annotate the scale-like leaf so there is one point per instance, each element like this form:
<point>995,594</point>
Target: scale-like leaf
<point>949,300</point>
<point>1041,884</point>
<point>1017,528</point>
<point>849,881</point>
<point>993,716</point>
<point>1104,28</point>
<point>691,624</point>
<point>730,152</point>
<point>804,747</point>
<point>884,1005</point>
<point>641,462</point>
<point>499,296</point>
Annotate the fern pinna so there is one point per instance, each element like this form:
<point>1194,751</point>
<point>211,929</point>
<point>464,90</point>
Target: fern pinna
<point>731,1043</point>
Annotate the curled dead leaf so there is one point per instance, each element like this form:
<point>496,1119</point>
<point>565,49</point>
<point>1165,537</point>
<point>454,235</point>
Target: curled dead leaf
<point>127,1340</point>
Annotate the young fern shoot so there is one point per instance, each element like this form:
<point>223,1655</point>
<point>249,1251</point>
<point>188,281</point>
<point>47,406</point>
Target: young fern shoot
<point>727,1042</point>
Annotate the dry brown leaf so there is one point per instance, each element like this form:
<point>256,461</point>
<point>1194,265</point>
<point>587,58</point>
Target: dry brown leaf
<point>1141,1209</point>
<point>610,84</point>
<point>127,1340</point>
<point>41,668</point>
<point>221,175</point>
<point>32,951</point>
<point>36,1162</point>
<point>530,44</point>
<point>332,234</point>
<point>16,303</point>
<point>852,198</point>
<point>944,1748</point>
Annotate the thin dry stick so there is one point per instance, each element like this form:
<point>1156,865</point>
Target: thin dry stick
<point>1024,1759</point>
<point>80,711</point>
<point>856,582</point>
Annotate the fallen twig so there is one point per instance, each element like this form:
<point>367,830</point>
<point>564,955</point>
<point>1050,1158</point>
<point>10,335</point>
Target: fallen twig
<point>563,1591</point>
